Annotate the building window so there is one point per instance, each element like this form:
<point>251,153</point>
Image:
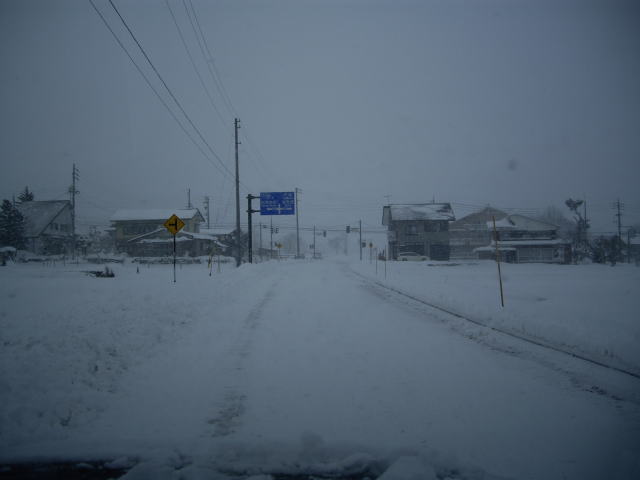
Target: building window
<point>412,229</point>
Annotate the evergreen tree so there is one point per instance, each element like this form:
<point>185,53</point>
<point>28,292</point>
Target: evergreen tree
<point>11,226</point>
<point>25,196</point>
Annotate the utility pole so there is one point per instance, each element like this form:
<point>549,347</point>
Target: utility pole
<point>619,207</point>
<point>586,223</point>
<point>314,241</point>
<point>271,239</point>
<point>360,230</point>
<point>73,191</point>
<point>297,227</point>
<point>238,236</point>
<point>260,249</point>
<point>619,215</point>
<point>206,207</point>
<point>189,198</point>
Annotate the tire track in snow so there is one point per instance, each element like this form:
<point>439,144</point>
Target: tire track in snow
<point>234,400</point>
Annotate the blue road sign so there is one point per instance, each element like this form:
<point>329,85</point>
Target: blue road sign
<point>277,203</point>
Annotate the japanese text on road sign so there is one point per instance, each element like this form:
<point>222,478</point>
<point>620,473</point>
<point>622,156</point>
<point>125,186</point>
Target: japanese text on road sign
<point>277,203</point>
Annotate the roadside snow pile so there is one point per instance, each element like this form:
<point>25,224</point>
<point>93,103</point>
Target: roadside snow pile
<point>590,310</point>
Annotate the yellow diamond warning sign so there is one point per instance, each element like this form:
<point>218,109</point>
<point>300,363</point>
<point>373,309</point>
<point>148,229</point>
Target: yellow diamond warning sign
<point>174,224</point>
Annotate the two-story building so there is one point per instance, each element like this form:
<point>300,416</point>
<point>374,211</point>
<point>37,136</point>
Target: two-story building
<point>48,228</point>
<point>471,232</point>
<point>526,240</point>
<point>420,228</point>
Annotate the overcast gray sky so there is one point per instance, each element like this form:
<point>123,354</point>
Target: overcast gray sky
<point>520,104</point>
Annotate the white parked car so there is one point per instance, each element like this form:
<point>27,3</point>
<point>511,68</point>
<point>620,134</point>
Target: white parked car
<point>411,256</point>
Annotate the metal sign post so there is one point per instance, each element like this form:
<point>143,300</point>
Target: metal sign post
<point>174,224</point>
<point>249,212</point>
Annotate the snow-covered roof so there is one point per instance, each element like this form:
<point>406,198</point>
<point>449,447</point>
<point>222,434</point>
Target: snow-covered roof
<point>7,249</point>
<point>39,214</point>
<point>418,211</point>
<point>163,240</point>
<point>477,220</point>
<point>161,234</point>
<point>156,214</point>
<point>529,243</point>
<point>217,231</point>
<point>492,248</point>
<point>520,222</point>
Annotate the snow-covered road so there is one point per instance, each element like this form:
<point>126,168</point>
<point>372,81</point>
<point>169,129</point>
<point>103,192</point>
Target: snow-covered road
<point>355,367</point>
<point>298,366</point>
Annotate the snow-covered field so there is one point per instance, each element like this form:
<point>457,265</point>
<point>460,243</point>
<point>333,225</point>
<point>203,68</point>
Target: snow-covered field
<point>305,366</point>
<point>591,310</point>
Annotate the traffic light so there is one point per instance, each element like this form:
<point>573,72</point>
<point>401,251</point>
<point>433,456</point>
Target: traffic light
<point>348,229</point>
<point>324,233</point>
<point>276,229</point>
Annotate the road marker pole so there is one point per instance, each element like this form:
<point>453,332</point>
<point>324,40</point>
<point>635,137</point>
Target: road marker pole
<point>495,233</point>
<point>376,249</point>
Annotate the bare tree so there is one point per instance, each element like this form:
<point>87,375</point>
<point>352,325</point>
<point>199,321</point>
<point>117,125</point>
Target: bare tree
<point>581,248</point>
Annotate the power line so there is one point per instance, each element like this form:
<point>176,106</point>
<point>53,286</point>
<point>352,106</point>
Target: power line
<point>217,78</point>
<point>148,82</point>
<point>193,63</point>
<point>144,53</point>
<point>210,62</point>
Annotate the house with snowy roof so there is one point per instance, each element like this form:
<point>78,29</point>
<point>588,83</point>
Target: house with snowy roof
<point>420,228</point>
<point>523,239</point>
<point>142,232</point>
<point>471,232</point>
<point>47,226</point>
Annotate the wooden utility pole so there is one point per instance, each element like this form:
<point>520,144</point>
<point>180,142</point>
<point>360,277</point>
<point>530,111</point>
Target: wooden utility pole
<point>238,235</point>
<point>72,190</point>
<point>619,215</point>
<point>360,230</point>
<point>207,206</point>
<point>297,227</point>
